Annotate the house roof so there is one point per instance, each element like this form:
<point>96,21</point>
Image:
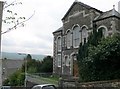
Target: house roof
<point>58,30</point>
<point>107,14</point>
<point>82,4</point>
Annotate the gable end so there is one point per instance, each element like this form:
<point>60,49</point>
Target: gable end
<point>81,4</point>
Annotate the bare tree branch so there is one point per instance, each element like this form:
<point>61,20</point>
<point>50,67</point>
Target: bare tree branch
<point>15,21</point>
<point>12,3</point>
<point>20,23</point>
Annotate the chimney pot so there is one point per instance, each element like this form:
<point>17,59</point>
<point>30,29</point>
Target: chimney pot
<point>119,6</point>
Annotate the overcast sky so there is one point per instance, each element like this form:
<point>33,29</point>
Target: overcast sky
<point>36,37</point>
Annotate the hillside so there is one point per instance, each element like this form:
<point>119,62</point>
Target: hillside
<point>17,56</point>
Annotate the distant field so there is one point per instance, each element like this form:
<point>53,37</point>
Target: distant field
<point>17,56</point>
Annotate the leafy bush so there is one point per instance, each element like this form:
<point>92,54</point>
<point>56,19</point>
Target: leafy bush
<point>100,61</point>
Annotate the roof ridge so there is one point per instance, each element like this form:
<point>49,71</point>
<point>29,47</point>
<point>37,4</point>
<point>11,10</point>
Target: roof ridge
<point>109,13</point>
<point>88,6</point>
<point>83,4</point>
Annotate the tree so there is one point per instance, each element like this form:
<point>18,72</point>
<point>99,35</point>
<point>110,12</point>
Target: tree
<point>16,79</point>
<point>47,64</point>
<point>36,66</point>
<point>98,59</point>
<point>29,57</point>
<point>44,66</point>
<point>104,59</point>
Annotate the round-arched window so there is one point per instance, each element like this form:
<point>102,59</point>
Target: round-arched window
<point>103,31</point>
<point>84,34</point>
<point>59,43</point>
<point>76,36</point>
<point>68,39</point>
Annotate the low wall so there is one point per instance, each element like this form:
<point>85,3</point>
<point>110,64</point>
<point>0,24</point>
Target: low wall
<point>110,83</point>
<point>73,83</point>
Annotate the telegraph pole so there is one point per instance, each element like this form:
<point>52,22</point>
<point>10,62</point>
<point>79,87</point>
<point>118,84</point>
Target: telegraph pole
<point>1,12</point>
<point>25,62</point>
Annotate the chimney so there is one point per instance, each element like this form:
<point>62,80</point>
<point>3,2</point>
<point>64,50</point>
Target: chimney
<point>119,6</point>
<point>76,1</point>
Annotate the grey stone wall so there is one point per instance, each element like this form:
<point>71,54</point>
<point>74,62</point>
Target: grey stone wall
<point>81,16</point>
<point>73,83</point>
<point>56,69</point>
<point>112,24</point>
<point>117,21</point>
<point>105,22</point>
<point>77,14</point>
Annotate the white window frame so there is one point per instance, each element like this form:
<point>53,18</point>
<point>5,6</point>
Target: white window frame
<point>86,33</point>
<point>76,41</point>
<point>59,60</point>
<point>68,38</point>
<point>59,44</point>
<point>105,32</point>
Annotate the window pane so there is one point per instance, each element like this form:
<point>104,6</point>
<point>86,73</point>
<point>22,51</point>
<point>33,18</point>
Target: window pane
<point>68,39</point>
<point>104,31</point>
<point>84,34</point>
<point>76,36</point>
<point>59,43</point>
<point>59,60</point>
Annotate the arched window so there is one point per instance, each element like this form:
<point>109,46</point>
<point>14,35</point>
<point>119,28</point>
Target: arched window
<point>84,34</point>
<point>76,36</point>
<point>69,39</point>
<point>59,43</point>
<point>104,31</point>
<point>59,60</point>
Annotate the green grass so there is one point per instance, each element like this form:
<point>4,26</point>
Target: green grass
<point>45,80</point>
<point>51,80</point>
<point>56,78</point>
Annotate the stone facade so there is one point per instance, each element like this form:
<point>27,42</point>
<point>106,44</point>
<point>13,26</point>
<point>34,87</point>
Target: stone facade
<point>78,23</point>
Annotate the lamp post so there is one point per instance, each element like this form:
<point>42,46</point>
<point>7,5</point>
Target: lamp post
<point>25,61</point>
<point>1,12</point>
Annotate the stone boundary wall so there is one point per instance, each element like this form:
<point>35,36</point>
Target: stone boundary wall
<point>110,83</point>
<point>73,83</point>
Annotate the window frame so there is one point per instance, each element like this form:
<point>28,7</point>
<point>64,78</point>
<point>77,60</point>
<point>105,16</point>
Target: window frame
<point>59,43</point>
<point>59,60</point>
<point>105,33</point>
<point>76,36</point>
<point>83,38</point>
<point>68,38</point>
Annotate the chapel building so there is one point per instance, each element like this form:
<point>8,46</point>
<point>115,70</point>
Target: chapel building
<point>78,23</point>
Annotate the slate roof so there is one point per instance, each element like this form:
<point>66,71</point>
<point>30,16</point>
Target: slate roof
<point>60,29</point>
<point>107,14</point>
